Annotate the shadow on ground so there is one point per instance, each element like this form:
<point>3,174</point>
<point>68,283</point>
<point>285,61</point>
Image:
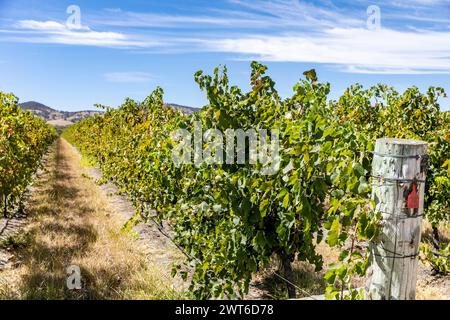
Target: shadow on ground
<point>58,235</point>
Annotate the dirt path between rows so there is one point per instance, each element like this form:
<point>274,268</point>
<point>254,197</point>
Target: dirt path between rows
<point>71,222</point>
<point>157,246</point>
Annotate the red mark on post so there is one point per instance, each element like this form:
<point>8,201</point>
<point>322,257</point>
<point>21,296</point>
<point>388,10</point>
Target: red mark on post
<point>412,202</point>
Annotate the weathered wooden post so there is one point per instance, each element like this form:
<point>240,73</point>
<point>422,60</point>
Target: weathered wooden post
<point>398,172</point>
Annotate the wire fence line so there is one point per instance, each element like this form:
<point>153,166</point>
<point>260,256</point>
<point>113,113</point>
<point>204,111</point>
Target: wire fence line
<point>165,233</point>
<point>181,249</point>
<point>309,295</point>
<point>381,180</point>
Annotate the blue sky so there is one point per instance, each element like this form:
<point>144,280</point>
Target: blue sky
<point>127,48</point>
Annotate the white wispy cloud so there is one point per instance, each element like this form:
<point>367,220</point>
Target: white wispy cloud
<point>354,50</point>
<point>53,32</point>
<point>252,14</point>
<point>113,9</point>
<point>40,25</point>
<point>148,20</point>
<point>128,77</point>
<point>416,3</point>
<point>47,26</point>
<point>277,30</point>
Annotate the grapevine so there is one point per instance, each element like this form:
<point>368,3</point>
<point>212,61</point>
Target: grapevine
<point>23,141</point>
<point>231,219</point>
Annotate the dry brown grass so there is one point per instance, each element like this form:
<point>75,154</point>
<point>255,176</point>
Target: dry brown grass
<point>73,224</point>
<point>60,123</point>
<point>427,231</point>
<point>268,285</point>
<point>431,293</point>
<point>306,278</point>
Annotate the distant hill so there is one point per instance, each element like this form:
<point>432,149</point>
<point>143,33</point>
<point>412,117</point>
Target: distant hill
<point>66,118</point>
<point>55,117</point>
<point>33,105</point>
<point>185,109</point>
